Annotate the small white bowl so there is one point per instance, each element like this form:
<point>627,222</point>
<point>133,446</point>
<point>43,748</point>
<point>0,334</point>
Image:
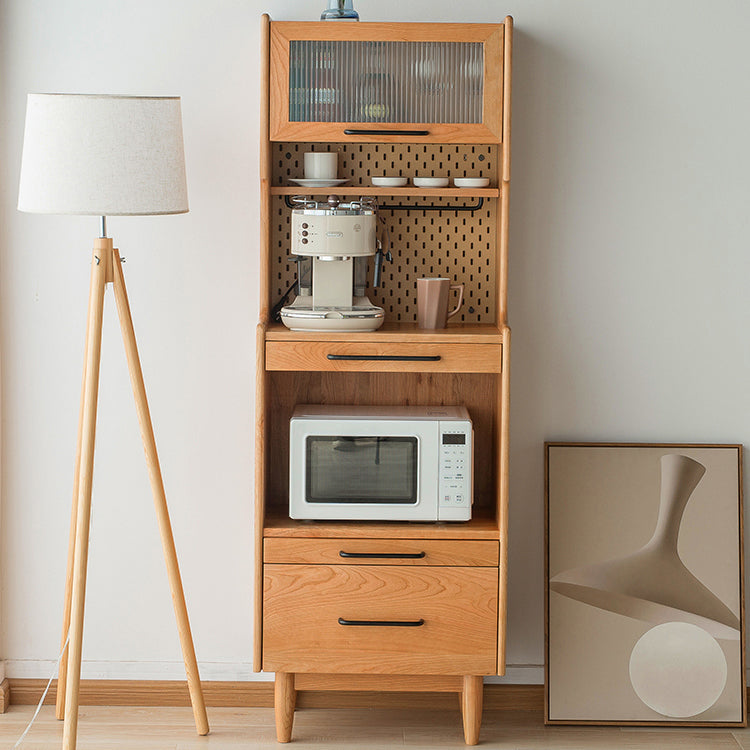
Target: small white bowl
<point>431,182</point>
<point>389,181</point>
<point>471,182</point>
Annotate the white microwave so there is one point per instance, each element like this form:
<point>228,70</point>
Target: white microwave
<point>380,463</point>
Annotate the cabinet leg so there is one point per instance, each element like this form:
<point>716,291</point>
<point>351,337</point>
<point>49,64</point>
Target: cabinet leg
<point>284,699</point>
<point>471,707</point>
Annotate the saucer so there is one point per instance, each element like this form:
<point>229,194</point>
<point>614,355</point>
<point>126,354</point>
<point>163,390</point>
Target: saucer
<point>430,182</point>
<point>389,181</point>
<point>318,183</point>
<point>471,182</point>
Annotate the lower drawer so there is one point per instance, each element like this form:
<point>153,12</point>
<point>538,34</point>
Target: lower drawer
<point>380,619</point>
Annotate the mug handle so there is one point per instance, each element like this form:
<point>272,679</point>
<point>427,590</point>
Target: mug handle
<point>460,288</point>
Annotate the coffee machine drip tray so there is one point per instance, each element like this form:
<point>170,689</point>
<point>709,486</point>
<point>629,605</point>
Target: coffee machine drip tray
<point>359,317</point>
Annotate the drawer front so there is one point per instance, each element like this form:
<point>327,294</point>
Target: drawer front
<point>389,357</point>
<point>380,619</point>
<point>381,552</point>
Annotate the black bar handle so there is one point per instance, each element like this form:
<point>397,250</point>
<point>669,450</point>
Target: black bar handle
<point>384,555</point>
<point>386,357</point>
<point>383,623</point>
<point>383,131</point>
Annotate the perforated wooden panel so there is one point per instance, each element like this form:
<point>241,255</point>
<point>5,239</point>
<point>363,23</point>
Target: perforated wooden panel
<point>460,245</point>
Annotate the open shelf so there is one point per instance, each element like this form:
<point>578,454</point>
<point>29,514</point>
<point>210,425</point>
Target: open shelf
<point>464,333</point>
<point>482,527</point>
<point>412,192</point>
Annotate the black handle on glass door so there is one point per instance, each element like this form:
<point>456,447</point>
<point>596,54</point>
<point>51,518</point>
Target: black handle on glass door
<point>383,131</point>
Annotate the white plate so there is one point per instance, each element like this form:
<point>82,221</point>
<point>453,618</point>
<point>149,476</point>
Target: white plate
<point>431,182</point>
<point>319,183</point>
<point>389,181</point>
<point>471,182</point>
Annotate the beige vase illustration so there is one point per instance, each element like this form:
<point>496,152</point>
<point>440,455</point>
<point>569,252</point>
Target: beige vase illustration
<point>653,584</point>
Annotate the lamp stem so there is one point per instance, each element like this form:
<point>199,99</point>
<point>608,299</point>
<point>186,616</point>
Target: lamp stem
<point>103,232</point>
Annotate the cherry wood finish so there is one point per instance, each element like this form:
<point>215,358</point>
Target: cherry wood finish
<point>391,332</point>
<point>480,527</point>
<point>430,620</point>
<point>381,357</point>
<point>284,699</point>
<point>380,552</point>
<point>472,696</point>
<point>303,585</point>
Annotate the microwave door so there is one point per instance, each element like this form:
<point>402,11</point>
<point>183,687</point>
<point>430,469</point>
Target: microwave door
<point>356,470</point>
<point>363,470</point>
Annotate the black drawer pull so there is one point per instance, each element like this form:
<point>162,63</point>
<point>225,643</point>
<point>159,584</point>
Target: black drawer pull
<point>386,357</point>
<point>383,623</point>
<point>385,555</point>
<point>383,131</point>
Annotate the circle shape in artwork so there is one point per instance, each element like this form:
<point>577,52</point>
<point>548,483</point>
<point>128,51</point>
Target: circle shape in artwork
<point>678,669</point>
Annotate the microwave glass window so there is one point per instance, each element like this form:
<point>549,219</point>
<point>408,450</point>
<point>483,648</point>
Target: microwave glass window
<point>362,470</point>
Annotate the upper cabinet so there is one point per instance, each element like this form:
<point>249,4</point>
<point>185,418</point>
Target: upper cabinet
<point>352,81</point>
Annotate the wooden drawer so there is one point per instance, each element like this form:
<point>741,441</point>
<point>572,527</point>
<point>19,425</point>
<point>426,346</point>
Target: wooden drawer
<point>381,552</point>
<point>346,356</point>
<point>314,615</point>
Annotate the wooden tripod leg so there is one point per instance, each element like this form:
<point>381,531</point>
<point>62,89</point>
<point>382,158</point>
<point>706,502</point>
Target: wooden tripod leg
<point>160,500</point>
<point>102,252</point>
<point>63,670</point>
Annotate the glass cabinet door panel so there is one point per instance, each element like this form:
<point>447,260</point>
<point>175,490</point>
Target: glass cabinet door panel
<point>361,81</point>
<point>393,82</point>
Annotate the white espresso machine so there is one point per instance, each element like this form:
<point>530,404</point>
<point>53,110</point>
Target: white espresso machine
<point>333,242</point>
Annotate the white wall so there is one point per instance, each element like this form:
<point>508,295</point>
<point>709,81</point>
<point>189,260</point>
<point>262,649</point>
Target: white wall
<point>629,255</point>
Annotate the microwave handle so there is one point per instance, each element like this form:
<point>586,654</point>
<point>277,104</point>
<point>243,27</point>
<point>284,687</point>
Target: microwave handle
<point>383,623</point>
<point>384,555</point>
<point>386,357</point>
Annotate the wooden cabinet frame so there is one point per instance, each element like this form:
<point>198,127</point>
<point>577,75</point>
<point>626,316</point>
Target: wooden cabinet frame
<point>294,368</point>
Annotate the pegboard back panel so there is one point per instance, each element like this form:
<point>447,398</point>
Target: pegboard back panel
<point>460,245</point>
<point>358,162</point>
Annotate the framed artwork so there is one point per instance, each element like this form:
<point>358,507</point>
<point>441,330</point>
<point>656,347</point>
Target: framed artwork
<point>644,585</point>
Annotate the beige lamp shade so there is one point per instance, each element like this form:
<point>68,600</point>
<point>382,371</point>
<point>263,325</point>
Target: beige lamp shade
<point>103,155</point>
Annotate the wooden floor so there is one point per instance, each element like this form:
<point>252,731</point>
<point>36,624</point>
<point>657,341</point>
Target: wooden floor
<point>121,728</point>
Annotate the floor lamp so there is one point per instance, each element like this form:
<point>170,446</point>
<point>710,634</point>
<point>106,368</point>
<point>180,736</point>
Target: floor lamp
<point>107,156</point>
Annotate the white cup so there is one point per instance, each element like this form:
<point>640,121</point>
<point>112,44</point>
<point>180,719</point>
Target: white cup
<point>321,165</point>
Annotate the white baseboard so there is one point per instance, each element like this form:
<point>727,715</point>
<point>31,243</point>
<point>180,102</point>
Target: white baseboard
<point>23,669</point>
<point>2,670</point>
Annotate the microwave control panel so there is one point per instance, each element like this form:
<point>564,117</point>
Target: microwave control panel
<point>455,483</point>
